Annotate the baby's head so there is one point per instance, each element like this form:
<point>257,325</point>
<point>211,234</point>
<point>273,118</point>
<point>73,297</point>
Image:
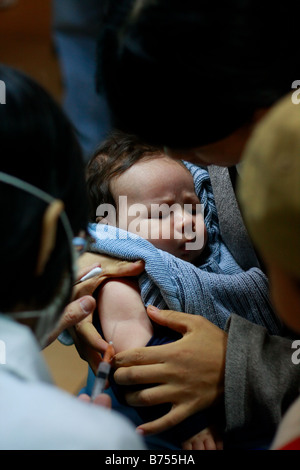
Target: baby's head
<point>270,197</point>
<point>136,187</point>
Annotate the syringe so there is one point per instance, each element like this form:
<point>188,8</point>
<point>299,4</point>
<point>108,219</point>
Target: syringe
<point>103,372</point>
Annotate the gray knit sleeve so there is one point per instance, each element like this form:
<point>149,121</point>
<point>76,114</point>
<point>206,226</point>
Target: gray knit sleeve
<point>261,381</point>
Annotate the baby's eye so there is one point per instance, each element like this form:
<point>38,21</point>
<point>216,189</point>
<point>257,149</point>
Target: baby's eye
<point>159,215</point>
<point>156,216</point>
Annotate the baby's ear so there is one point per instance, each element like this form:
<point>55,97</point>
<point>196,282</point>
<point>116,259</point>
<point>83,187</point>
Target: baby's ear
<point>106,215</point>
<point>104,221</point>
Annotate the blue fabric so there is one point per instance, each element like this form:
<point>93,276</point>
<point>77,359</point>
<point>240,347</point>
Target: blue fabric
<point>215,289</point>
<point>154,442</point>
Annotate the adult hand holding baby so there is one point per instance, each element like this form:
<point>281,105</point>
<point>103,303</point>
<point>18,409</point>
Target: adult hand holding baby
<point>88,341</point>
<point>77,310</point>
<point>172,367</point>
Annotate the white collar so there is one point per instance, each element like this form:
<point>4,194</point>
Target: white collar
<point>20,352</point>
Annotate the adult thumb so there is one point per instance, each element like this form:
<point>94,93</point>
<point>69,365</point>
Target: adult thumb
<point>177,321</point>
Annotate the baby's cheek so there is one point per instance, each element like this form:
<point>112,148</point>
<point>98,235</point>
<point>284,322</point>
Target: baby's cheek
<point>139,226</point>
<point>200,232</point>
<point>166,245</point>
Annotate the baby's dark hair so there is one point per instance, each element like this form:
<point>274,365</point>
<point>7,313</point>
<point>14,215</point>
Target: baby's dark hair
<point>113,157</point>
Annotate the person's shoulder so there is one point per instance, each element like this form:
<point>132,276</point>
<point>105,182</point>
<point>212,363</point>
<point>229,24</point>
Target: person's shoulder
<point>54,419</point>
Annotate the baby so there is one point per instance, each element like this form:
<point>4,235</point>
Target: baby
<point>188,268</point>
<point>157,180</point>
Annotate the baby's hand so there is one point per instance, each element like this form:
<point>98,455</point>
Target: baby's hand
<point>207,439</point>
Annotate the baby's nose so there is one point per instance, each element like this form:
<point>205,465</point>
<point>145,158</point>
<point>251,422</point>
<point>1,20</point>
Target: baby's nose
<point>186,221</point>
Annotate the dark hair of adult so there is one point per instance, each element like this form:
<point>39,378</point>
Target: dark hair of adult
<point>185,74</point>
<point>38,145</point>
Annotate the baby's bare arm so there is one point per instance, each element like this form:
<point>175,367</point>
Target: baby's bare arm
<point>122,314</point>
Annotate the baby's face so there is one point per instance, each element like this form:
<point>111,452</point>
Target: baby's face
<point>161,206</point>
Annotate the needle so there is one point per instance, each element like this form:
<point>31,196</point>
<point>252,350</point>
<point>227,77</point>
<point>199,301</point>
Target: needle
<point>103,371</point>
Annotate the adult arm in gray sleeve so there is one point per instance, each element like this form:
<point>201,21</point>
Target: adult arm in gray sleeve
<point>261,382</point>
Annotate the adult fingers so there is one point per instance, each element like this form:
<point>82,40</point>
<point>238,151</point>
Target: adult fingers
<point>86,269</point>
<point>74,313</point>
<point>87,334</point>
<point>119,268</point>
<point>144,356</point>
<point>171,419</point>
<point>112,266</point>
<point>149,396</point>
<point>89,343</point>
<point>177,321</point>
<point>101,400</point>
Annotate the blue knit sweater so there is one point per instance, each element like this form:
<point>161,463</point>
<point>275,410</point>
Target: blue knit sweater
<point>215,289</point>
